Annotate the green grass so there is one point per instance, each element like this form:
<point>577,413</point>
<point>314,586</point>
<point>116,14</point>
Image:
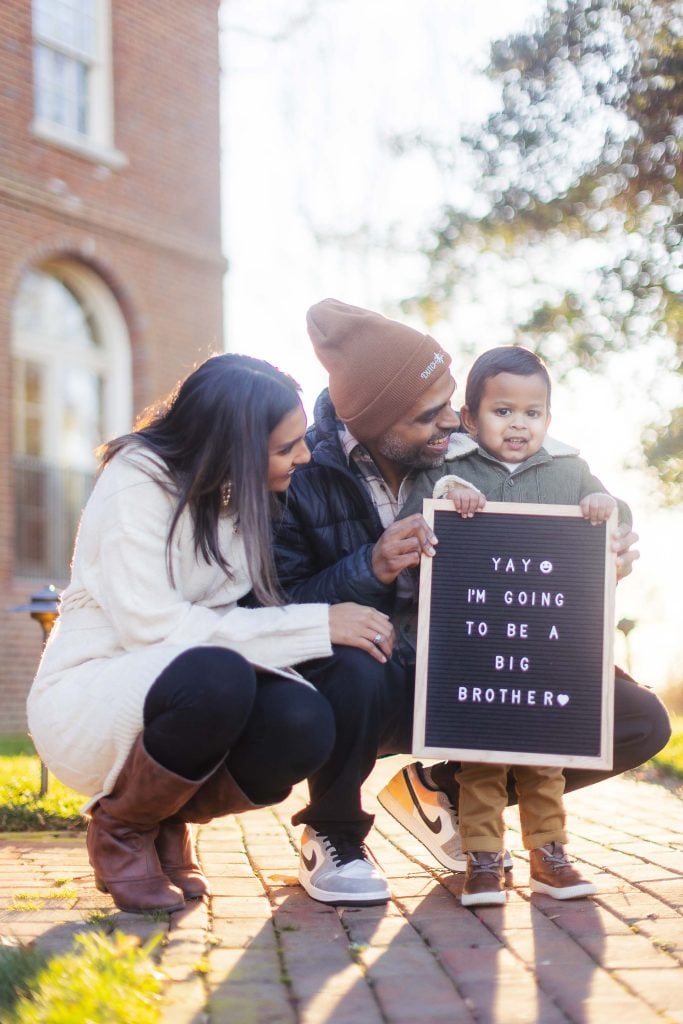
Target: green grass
<point>38,900</point>
<point>21,808</point>
<point>112,979</point>
<point>104,978</point>
<point>19,967</point>
<point>670,759</point>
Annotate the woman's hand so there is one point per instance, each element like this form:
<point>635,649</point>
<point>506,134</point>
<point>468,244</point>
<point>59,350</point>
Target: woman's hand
<point>356,625</point>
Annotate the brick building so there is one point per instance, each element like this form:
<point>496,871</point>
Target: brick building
<point>110,260</point>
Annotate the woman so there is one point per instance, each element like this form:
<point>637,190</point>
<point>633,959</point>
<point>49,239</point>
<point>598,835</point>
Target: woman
<point>159,696</point>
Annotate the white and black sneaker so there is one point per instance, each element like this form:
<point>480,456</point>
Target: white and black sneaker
<point>337,870</point>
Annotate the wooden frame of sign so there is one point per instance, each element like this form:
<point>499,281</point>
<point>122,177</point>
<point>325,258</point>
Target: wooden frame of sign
<point>516,637</point>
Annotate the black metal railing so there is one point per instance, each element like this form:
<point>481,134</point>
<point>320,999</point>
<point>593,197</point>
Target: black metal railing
<point>48,501</point>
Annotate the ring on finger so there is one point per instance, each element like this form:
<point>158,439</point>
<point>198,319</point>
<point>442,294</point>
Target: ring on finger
<point>377,639</point>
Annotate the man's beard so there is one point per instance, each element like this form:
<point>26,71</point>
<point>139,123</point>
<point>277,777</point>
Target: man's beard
<point>410,456</point>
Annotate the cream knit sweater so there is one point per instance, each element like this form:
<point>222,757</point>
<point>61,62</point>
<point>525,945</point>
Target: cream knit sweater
<point>122,622</point>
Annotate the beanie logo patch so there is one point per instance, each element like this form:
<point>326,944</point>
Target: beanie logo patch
<point>430,367</point>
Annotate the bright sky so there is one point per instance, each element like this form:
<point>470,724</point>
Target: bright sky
<point>313,93</point>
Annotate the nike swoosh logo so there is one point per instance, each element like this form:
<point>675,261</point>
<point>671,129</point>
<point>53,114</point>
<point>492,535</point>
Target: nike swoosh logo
<point>311,861</point>
<point>433,826</point>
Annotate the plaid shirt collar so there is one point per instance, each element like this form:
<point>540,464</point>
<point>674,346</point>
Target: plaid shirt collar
<point>388,506</point>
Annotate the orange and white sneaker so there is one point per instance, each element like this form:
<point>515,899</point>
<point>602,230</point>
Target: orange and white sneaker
<point>428,814</point>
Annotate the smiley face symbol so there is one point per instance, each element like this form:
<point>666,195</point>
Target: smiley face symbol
<point>546,567</point>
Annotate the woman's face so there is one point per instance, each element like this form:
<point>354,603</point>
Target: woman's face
<point>287,449</point>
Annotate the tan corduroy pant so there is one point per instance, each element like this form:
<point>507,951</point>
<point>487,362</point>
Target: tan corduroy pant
<point>484,796</point>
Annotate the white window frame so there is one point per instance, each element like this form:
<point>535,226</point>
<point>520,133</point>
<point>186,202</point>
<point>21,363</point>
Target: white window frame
<point>98,143</point>
<point>111,360</point>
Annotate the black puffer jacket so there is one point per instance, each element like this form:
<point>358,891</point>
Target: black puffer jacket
<point>323,543</point>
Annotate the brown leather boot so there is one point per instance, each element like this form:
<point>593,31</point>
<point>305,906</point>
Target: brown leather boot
<point>218,795</point>
<point>122,830</point>
<point>175,850</point>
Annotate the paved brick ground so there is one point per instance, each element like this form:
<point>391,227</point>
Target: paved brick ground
<point>262,952</point>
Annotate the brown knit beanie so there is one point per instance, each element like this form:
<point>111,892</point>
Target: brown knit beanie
<point>378,368</point>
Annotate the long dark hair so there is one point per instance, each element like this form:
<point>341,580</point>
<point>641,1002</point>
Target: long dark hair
<point>515,359</point>
<point>212,435</point>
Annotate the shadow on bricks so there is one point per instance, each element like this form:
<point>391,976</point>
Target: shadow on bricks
<point>302,964</point>
<point>262,951</point>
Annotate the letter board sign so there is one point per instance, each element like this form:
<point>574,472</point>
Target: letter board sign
<point>515,637</point>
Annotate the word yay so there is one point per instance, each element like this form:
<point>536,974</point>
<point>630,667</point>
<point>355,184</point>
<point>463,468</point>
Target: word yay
<point>519,565</point>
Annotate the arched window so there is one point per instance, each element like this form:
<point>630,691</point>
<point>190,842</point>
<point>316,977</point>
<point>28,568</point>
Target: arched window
<point>71,391</point>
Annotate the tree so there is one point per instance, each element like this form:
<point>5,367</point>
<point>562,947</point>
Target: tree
<point>586,145</point>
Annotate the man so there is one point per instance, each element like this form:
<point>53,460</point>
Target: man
<point>388,414</point>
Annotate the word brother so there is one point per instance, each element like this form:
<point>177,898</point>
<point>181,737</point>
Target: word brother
<point>513,631</point>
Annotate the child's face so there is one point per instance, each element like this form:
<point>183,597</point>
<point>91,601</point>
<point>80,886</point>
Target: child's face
<point>513,416</point>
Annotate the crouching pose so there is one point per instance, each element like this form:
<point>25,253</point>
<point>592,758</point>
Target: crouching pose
<point>159,696</point>
<point>386,417</point>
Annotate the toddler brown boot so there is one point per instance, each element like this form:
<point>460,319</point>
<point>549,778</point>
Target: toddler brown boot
<point>551,872</point>
<point>484,880</point>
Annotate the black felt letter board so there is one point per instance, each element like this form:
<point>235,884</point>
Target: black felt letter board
<point>515,638</point>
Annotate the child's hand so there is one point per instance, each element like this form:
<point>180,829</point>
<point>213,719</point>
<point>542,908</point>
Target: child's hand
<point>466,499</point>
<point>597,507</point>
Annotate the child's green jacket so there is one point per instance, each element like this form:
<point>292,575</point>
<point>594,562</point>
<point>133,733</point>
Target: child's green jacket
<point>555,475</point>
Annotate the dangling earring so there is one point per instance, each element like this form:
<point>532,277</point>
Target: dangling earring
<point>226,494</point>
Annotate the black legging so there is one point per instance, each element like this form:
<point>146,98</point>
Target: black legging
<point>209,705</point>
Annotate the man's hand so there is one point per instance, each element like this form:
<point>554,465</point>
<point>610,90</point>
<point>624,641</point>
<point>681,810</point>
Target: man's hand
<point>598,507</point>
<point>401,546</point>
<point>359,626</point>
<point>623,540</point>
<point>466,499</point>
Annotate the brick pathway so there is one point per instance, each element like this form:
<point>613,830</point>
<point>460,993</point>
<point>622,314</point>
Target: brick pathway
<point>262,952</point>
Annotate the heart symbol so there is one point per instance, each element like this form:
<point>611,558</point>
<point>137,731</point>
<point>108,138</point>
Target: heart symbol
<point>562,699</point>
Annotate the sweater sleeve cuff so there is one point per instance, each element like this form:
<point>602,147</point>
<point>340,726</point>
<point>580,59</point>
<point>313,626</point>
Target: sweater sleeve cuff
<point>296,633</point>
<point>313,639</point>
<point>441,486</point>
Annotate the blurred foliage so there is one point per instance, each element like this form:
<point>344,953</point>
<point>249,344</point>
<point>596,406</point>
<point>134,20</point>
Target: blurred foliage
<point>19,966</point>
<point>670,759</point>
<point>672,695</point>
<point>106,979</point>
<point>586,145</point>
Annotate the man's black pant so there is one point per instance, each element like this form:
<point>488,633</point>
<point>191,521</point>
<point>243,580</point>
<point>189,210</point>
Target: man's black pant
<point>641,729</point>
<point>373,711</point>
<point>372,705</point>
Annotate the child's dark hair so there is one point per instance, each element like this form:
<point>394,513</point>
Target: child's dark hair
<point>505,359</point>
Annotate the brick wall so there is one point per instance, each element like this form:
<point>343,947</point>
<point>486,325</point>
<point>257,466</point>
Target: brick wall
<point>150,229</point>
